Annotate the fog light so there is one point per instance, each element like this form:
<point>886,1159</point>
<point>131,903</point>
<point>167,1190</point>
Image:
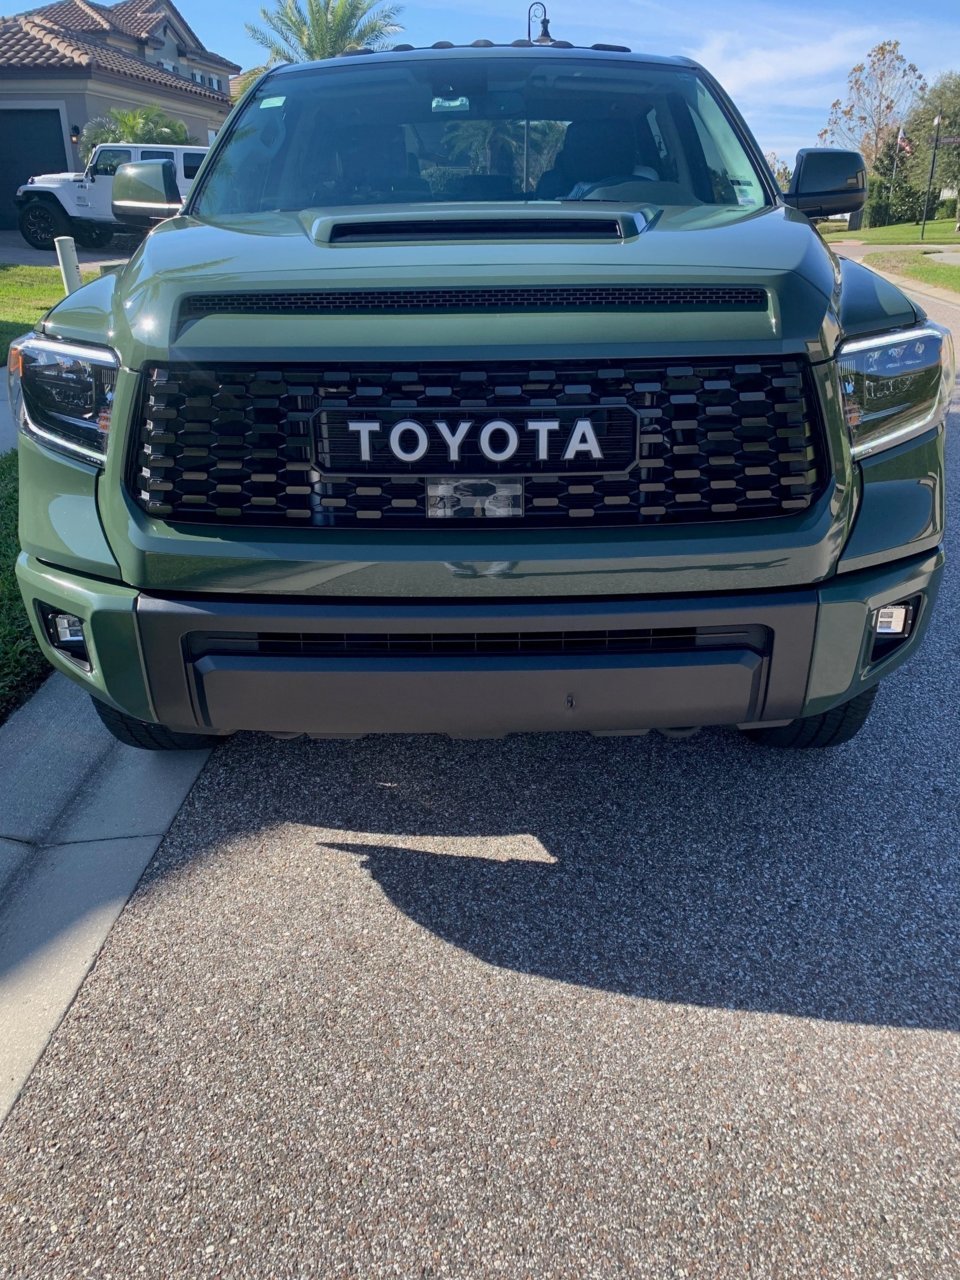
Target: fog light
<point>65,633</point>
<point>893,620</point>
<point>69,627</point>
<point>892,626</point>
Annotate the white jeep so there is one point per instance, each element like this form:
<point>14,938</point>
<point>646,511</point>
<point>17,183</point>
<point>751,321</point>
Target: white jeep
<point>78,204</point>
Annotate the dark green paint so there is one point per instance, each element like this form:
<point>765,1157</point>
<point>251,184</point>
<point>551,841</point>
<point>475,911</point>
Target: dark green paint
<point>88,549</point>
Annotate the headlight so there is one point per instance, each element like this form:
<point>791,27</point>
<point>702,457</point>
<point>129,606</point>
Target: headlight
<point>895,387</point>
<point>61,393</point>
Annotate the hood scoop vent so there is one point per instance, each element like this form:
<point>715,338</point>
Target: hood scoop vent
<point>473,300</point>
<point>476,229</point>
<point>474,223</point>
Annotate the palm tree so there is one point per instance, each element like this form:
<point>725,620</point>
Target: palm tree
<point>302,32</point>
<point>499,146</point>
<point>141,124</point>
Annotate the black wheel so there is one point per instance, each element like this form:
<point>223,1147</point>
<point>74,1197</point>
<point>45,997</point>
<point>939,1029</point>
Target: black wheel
<point>150,737</point>
<point>41,222</point>
<point>93,237</point>
<point>830,729</point>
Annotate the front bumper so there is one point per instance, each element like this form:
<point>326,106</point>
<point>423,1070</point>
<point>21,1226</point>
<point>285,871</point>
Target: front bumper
<point>215,664</point>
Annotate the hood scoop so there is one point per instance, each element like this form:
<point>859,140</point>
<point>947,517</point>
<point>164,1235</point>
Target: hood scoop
<point>475,225</point>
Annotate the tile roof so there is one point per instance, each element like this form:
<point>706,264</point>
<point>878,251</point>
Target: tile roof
<point>140,18</point>
<point>21,46</point>
<point>136,19</point>
<point>70,15</point>
<point>25,44</point>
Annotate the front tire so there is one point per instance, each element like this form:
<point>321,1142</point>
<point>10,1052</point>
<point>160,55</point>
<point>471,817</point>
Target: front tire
<point>829,729</point>
<point>149,737</point>
<point>40,223</point>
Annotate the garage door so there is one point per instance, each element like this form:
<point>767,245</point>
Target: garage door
<point>31,141</point>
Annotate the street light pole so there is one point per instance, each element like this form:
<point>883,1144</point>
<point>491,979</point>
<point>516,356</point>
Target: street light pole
<point>933,165</point>
<point>538,11</point>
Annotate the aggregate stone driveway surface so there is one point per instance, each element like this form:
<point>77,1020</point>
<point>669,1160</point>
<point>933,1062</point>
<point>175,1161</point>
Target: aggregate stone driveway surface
<point>545,1007</point>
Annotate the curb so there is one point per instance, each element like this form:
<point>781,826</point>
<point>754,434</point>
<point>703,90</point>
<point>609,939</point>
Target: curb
<point>80,818</point>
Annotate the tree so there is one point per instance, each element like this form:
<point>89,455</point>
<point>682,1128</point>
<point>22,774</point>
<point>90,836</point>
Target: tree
<point>142,124</point>
<point>896,198</point>
<point>880,94</point>
<point>497,146</point>
<point>941,99</point>
<point>781,171</point>
<point>302,32</point>
<point>488,146</point>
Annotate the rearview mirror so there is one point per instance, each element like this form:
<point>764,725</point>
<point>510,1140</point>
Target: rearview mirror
<point>145,192</point>
<point>826,181</point>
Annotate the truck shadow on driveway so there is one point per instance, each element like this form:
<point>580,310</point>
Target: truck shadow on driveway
<point>708,872</point>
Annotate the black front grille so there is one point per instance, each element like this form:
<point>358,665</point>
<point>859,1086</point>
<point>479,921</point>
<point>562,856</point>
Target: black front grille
<point>474,644</point>
<point>724,440</point>
<point>319,302</point>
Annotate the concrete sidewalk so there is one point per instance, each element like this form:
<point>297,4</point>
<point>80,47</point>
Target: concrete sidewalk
<point>80,818</point>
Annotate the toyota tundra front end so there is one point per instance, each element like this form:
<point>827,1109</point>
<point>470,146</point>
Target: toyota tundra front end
<point>479,391</point>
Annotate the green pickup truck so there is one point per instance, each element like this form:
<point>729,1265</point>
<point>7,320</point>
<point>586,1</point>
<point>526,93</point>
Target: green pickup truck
<point>483,390</point>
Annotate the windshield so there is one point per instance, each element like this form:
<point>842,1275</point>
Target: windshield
<point>480,129</point>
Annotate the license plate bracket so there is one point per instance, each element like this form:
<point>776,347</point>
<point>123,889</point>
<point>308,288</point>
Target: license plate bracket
<point>480,498</point>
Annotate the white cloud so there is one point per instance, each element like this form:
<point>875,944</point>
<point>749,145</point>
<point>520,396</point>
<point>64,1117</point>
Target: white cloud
<point>747,69</point>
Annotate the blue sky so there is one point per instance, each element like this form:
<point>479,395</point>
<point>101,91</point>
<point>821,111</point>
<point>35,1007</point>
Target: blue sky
<point>782,63</point>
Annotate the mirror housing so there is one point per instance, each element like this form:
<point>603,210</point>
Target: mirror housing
<point>145,192</point>
<point>826,181</point>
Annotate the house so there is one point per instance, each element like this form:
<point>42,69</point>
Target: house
<point>64,64</point>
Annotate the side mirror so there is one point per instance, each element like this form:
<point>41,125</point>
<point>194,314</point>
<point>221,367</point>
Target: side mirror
<point>145,192</point>
<point>826,181</point>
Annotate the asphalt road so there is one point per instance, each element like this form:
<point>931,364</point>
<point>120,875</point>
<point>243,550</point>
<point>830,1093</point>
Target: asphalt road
<point>545,1007</point>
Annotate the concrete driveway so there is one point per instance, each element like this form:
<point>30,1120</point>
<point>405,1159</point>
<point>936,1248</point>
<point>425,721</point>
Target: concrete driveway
<point>548,1007</point>
<point>15,250</point>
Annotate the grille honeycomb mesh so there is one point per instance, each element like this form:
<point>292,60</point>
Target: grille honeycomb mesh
<point>419,301</point>
<point>716,441</point>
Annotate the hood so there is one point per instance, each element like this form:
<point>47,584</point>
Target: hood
<point>52,178</point>
<point>463,247</point>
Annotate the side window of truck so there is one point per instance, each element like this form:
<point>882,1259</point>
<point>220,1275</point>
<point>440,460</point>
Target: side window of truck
<point>192,160</point>
<point>109,160</point>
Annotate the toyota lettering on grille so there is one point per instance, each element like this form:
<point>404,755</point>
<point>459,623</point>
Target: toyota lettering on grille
<point>497,440</point>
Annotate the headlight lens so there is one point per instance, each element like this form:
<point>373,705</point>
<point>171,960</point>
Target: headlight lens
<point>62,394</point>
<point>895,387</point>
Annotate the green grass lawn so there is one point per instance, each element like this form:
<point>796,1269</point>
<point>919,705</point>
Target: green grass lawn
<point>22,666</point>
<point>917,265</point>
<point>25,294</point>
<point>941,232</point>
